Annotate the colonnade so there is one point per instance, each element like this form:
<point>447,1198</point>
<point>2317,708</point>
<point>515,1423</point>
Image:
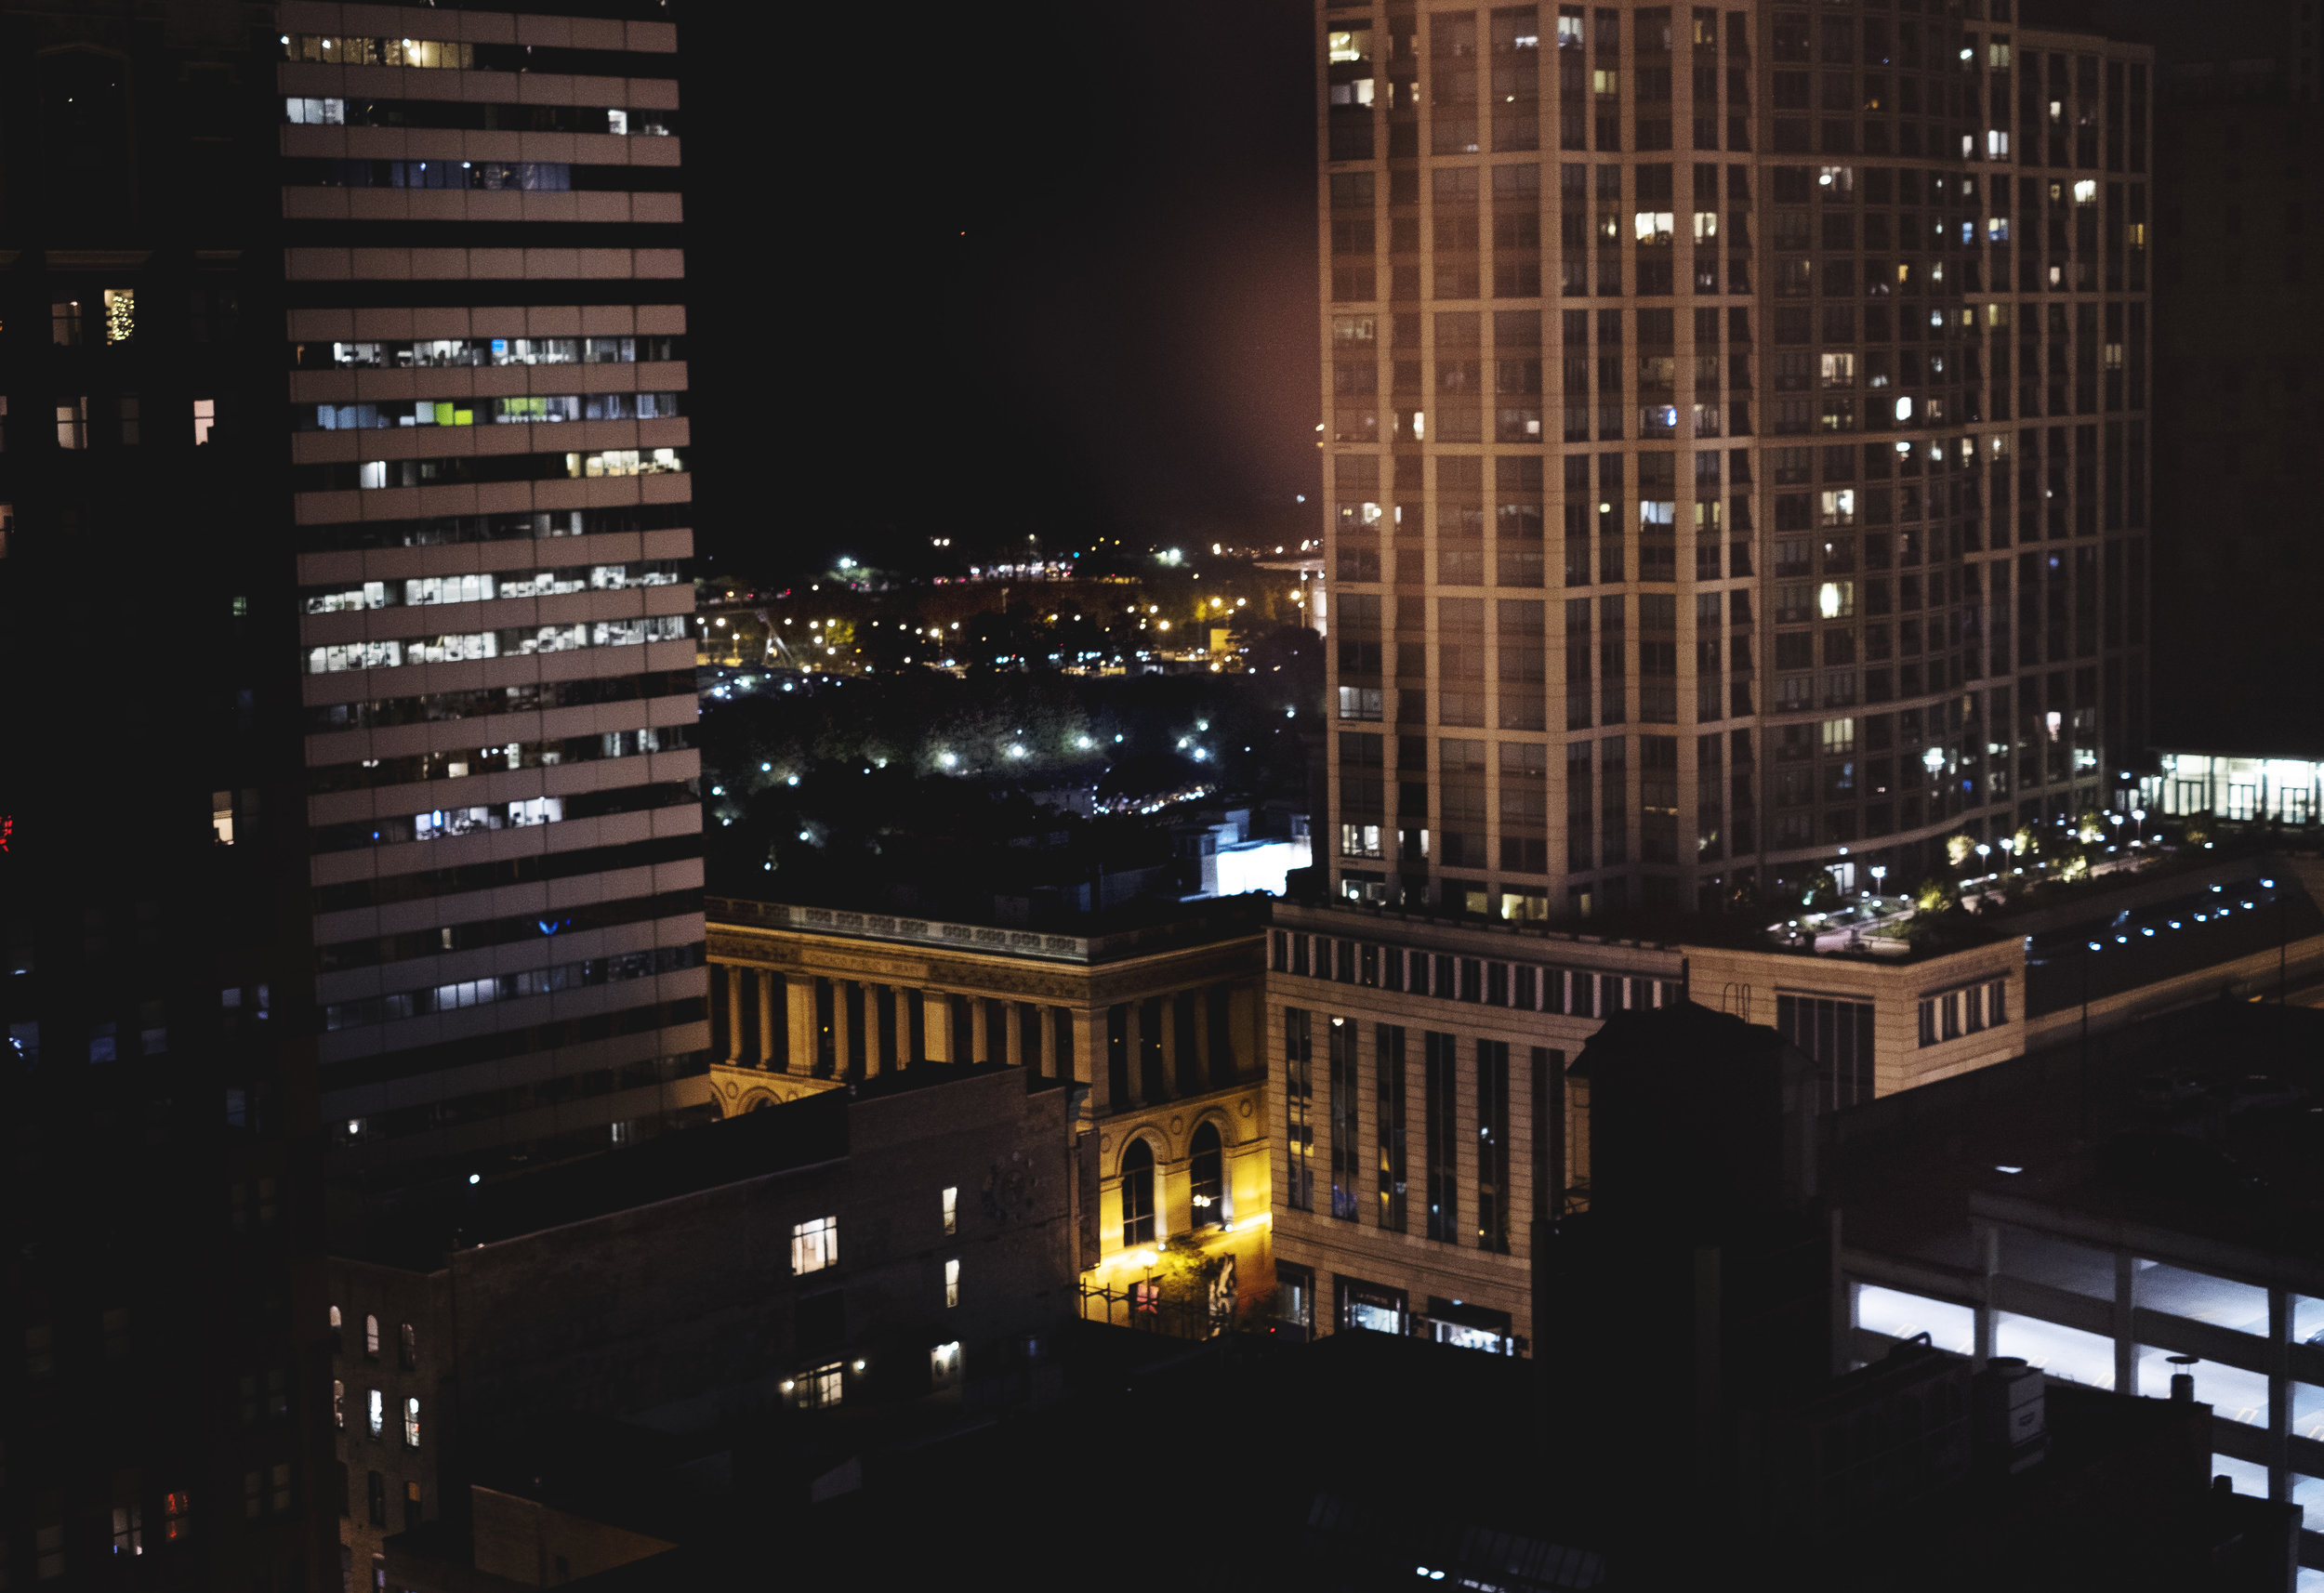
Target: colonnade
<point>1156,1048</point>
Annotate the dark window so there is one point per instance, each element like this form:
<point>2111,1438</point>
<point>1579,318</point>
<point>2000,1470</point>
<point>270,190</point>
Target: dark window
<point>375,1490</point>
<point>1388,1056</point>
<point>1443,1142</point>
<point>1838,1035</point>
<point>1346,1153</point>
<point>1298,1090</point>
<point>1137,1194</point>
<point>1493,1145</point>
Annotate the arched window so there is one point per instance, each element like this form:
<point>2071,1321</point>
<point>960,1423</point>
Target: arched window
<point>371,1338</point>
<point>1137,1194</point>
<point>335,1342</point>
<point>1210,1179</point>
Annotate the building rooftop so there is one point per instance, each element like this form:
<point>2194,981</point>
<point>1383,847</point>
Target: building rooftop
<point>2207,1121</point>
<point>788,1137</point>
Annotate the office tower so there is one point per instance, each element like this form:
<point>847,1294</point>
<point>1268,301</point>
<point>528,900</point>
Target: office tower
<point>1737,444</point>
<point>485,346</point>
<point>161,1292</point>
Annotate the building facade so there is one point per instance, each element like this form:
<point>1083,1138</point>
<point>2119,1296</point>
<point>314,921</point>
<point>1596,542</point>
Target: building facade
<point>1738,444</point>
<point>1156,1029</point>
<point>906,1243</point>
<point>1425,1115</point>
<point>485,355</point>
<point>160,1275</point>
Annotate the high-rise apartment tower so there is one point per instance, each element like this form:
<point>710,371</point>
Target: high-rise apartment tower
<point>1738,444</point>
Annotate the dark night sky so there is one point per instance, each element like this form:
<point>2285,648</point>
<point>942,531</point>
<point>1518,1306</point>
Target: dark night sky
<point>1044,269</point>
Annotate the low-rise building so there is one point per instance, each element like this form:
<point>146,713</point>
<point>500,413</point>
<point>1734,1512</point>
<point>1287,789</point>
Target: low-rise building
<point>1152,1023</point>
<point>1425,1115</point>
<point>2120,1221</point>
<point>901,1240</point>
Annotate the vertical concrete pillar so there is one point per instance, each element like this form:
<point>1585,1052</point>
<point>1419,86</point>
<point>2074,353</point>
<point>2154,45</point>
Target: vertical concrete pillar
<point>936,1014</point>
<point>767,1048</point>
<point>799,999</point>
<point>733,1013</point>
<point>1086,1031</point>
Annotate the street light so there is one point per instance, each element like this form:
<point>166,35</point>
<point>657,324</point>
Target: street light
<point>2140,814</point>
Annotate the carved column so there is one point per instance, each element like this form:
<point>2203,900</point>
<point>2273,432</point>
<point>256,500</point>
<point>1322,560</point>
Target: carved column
<point>768,1052</point>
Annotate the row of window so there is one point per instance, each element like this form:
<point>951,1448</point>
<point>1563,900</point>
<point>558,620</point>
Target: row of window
<point>815,1243</point>
<point>1381,1160</point>
<point>1530,987</point>
<point>75,432</point>
<point>339,49</point>
<point>442,708</point>
<point>430,353</point>
<point>483,588</point>
<point>521,409</point>
<point>1969,1010</point>
<point>517,642</point>
<point>326,112</point>
<point>512,987</point>
<point>458,763</point>
<point>407,1339</point>
<point>373,475</point>
<point>376,1418</point>
<point>824,1385</point>
<point>398,829</point>
<point>1211,1200</point>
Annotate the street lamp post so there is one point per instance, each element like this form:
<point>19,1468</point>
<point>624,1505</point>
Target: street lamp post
<point>2140,814</point>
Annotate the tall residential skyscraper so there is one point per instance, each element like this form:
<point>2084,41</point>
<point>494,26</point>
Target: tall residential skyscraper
<point>1738,436</point>
<point>485,348</point>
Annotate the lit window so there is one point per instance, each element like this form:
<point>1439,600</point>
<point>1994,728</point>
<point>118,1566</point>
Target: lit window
<point>815,1245</point>
<point>944,1364</point>
<point>952,1284</point>
<point>204,418</point>
<point>121,314</point>
<point>378,1413</point>
<point>177,1513</point>
<point>411,1423</point>
<point>371,1338</point>
<point>64,323</point>
<point>336,1325</point>
<point>129,1530</point>
<point>2086,191</point>
<point>72,423</point>
<point>338,1404</point>
<point>408,1350</point>
<point>952,1210</point>
<point>821,1387</point>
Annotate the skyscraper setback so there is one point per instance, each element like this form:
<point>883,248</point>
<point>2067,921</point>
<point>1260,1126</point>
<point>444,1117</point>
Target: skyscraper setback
<point>1737,444</point>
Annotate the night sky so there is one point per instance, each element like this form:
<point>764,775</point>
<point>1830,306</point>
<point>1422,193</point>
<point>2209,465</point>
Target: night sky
<point>1040,270</point>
